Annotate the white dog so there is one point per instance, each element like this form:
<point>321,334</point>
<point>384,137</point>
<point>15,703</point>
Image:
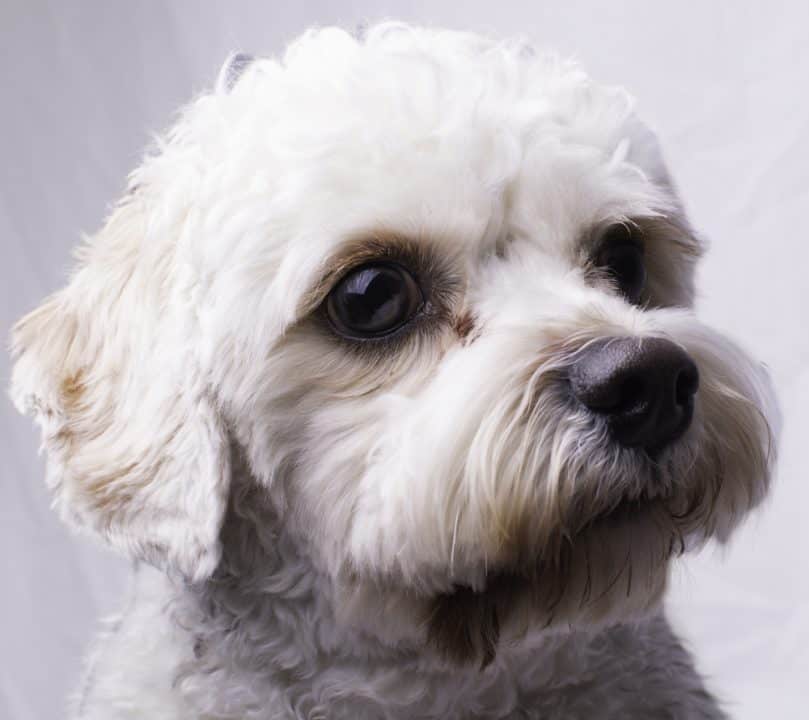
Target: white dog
<point>387,361</point>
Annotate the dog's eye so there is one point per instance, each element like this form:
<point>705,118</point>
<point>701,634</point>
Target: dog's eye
<point>373,300</point>
<point>620,256</point>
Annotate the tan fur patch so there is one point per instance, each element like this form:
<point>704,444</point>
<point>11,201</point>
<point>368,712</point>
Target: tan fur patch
<point>71,390</point>
<point>110,494</point>
<point>464,325</point>
<point>464,625</point>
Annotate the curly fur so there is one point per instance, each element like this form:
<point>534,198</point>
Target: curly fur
<point>425,526</point>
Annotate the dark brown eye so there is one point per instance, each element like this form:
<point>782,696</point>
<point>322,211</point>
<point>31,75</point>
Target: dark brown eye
<point>373,300</point>
<point>620,256</point>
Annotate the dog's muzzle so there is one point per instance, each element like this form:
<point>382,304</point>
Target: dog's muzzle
<point>643,388</point>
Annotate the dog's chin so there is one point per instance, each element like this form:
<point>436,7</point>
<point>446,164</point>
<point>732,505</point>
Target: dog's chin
<point>613,569</point>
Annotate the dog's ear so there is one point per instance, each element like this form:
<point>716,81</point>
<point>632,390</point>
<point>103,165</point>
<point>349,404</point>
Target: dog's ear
<point>671,260</point>
<point>108,366</point>
<point>232,70</point>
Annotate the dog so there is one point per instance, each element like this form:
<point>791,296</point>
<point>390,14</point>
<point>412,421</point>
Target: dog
<point>385,371</point>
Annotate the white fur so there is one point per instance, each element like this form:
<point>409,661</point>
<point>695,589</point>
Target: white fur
<point>309,502</point>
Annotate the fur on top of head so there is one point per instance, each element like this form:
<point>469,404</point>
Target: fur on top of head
<point>447,457</point>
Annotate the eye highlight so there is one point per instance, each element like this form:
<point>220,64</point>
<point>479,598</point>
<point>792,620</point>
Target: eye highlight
<point>620,257</point>
<point>373,300</point>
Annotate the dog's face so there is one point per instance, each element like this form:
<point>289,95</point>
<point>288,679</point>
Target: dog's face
<point>440,293</point>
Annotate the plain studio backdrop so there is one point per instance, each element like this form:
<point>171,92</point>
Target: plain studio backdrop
<point>84,85</point>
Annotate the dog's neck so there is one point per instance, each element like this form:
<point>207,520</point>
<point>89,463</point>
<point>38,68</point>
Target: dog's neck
<point>268,615</point>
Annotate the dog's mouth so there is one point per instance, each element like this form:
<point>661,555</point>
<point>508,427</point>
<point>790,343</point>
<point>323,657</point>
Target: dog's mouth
<point>613,568</point>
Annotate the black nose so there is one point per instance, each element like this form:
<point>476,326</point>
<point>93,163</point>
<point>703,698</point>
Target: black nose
<point>643,387</point>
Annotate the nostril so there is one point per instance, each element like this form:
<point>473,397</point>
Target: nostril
<point>686,385</point>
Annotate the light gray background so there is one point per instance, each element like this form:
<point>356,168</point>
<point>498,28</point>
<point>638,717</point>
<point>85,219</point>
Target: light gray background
<point>84,84</point>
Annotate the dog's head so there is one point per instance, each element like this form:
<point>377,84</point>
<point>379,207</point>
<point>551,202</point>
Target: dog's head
<point>439,292</point>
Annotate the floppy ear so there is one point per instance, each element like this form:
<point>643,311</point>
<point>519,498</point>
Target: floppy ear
<point>137,453</point>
